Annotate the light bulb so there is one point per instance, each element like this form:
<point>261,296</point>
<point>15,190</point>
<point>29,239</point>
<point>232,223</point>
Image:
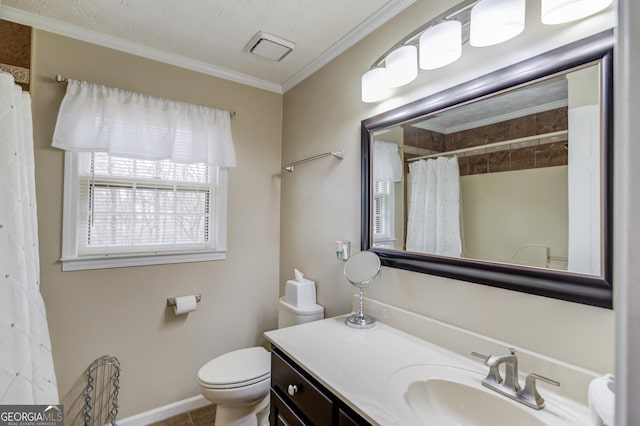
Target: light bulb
<point>561,11</point>
<point>440,45</point>
<point>402,65</point>
<point>496,21</point>
<point>375,85</point>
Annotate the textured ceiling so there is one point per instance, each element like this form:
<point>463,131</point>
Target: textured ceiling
<point>543,96</point>
<point>212,35</point>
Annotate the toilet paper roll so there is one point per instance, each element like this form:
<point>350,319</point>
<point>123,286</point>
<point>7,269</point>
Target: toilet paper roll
<point>185,304</point>
<point>602,400</point>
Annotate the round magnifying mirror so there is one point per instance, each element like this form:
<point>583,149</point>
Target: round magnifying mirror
<point>361,270</point>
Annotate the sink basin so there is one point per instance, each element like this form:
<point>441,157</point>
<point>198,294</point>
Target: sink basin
<point>442,395</point>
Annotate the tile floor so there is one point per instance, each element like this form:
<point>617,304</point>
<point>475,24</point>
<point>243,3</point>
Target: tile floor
<point>201,417</point>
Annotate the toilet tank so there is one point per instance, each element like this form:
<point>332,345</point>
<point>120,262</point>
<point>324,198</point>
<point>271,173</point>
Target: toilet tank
<point>289,315</point>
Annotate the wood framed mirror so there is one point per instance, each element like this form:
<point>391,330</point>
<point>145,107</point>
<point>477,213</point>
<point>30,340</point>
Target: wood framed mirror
<point>505,180</point>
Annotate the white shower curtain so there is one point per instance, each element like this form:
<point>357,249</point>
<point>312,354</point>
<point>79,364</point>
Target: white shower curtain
<point>26,366</point>
<point>434,207</point>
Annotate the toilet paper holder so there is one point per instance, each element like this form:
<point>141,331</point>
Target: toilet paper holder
<point>171,301</point>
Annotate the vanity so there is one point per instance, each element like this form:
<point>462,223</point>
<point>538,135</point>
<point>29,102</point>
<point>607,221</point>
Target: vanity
<point>326,373</point>
<point>297,398</point>
<point>408,369</point>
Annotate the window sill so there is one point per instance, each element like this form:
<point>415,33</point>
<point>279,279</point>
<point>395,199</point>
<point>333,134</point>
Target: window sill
<point>122,261</point>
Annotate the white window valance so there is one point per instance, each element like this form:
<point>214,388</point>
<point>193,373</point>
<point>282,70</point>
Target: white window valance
<point>96,118</point>
<point>387,165</point>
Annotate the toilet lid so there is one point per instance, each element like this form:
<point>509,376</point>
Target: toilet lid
<point>243,366</point>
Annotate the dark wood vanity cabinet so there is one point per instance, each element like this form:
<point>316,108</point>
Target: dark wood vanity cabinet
<point>298,399</point>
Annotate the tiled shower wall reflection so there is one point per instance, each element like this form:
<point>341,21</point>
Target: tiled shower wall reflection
<point>532,154</point>
<point>15,51</point>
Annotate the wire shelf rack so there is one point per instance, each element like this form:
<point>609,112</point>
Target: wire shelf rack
<point>101,391</point>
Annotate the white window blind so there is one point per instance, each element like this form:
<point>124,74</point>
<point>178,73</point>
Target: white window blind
<point>121,208</point>
<point>129,205</point>
<point>383,212</point>
<point>380,192</point>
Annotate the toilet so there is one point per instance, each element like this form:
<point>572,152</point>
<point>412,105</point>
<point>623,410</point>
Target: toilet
<point>238,382</point>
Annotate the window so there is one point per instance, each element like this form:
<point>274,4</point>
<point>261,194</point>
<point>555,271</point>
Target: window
<point>159,196</point>
<point>127,212</point>
<point>383,213</point>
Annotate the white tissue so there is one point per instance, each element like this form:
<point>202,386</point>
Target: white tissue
<point>602,400</point>
<point>185,304</point>
<point>300,292</point>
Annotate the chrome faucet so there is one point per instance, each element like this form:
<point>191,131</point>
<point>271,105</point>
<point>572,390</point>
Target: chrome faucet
<point>494,362</point>
<point>510,385</point>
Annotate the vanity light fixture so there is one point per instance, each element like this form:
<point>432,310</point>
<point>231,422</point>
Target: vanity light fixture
<point>402,65</point>
<point>561,11</point>
<point>479,22</point>
<point>375,85</point>
<point>441,45</point>
<point>496,21</point>
<point>399,65</point>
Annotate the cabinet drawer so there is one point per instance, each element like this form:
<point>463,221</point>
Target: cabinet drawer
<point>281,414</point>
<point>299,391</point>
<point>346,419</point>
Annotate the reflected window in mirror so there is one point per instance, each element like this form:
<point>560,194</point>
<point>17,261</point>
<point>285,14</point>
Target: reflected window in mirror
<point>387,182</point>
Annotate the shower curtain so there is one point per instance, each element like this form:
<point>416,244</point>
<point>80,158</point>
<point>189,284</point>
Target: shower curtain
<point>26,365</point>
<point>433,224</point>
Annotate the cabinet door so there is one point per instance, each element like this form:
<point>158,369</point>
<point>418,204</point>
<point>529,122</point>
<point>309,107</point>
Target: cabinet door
<point>299,391</point>
<point>281,414</point>
<point>346,419</point>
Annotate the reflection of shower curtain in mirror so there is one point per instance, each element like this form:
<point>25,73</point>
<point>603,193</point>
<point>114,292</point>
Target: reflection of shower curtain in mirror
<point>434,207</point>
<point>26,365</point>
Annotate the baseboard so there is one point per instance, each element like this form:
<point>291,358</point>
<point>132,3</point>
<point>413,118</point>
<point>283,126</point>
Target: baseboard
<point>166,411</point>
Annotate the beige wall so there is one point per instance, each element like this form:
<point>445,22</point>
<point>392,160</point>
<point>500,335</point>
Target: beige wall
<point>501,212</point>
<point>122,311</point>
<point>321,200</point>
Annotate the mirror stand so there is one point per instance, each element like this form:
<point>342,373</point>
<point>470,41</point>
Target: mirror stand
<point>361,270</point>
<point>360,319</point>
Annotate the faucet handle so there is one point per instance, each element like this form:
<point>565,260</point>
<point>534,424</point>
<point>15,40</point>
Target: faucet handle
<point>530,392</point>
<point>494,374</point>
<point>481,356</point>
<point>486,357</point>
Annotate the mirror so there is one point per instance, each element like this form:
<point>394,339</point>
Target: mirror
<point>361,270</point>
<point>504,180</point>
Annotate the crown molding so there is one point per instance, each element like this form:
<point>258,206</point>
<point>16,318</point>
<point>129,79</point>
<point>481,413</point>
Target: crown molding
<point>79,33</point>
<point>376,20</point>
<point>384,14</point>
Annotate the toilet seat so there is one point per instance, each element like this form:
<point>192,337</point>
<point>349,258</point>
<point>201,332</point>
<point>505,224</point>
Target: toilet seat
<point>236,369</point>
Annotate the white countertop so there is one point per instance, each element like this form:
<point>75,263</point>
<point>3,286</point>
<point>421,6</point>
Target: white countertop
<point>356,365</point>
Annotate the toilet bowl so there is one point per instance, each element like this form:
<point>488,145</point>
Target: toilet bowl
<point>238,382</point>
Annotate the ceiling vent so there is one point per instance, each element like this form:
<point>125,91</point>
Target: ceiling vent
<point>269,46</point>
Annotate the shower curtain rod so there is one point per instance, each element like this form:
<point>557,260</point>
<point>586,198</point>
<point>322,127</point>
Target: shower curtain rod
<point>62,79</point>
<point>492,145</point>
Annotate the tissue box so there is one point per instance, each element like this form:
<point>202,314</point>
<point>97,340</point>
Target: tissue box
<point>300,293</point>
